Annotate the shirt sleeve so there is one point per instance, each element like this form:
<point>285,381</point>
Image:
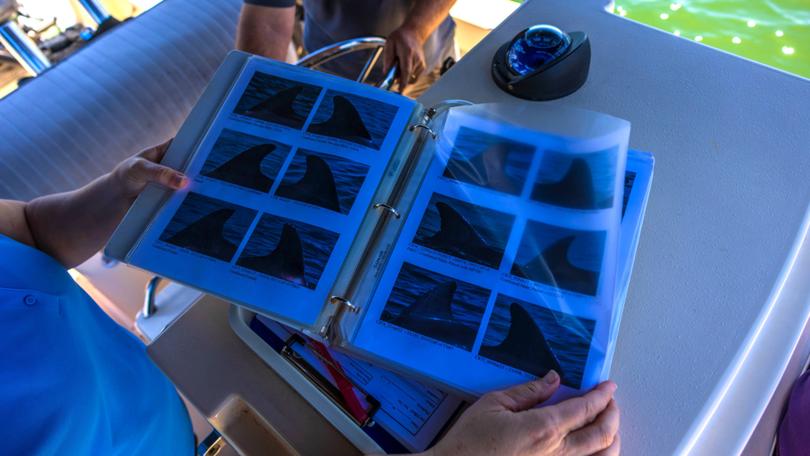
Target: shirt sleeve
<point>273,3</point>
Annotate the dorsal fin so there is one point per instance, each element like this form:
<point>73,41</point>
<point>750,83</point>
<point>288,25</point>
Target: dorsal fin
<point>286,261</point>
<point>556,254</point>
<point>575,189</point>
<point>204,228</point>
<point>207,235</point>
<point>280,103</point>
<point>290,252</point>
<point>317,186</point>
<point>493,161</point>
<point>523,331</point>
<point>455,229</point>
<point>435,303</point>
<point>553,267</point>
<point>246,168</point>
<point>526,342</point>
<point>344,122</point>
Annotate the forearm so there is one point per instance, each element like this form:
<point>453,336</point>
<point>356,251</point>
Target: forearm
<point>426,16</point>
<point>73,226</point>
<point>265,30</point>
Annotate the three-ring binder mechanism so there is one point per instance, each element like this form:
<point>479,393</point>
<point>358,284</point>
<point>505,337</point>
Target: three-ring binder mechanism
<point>423,129</point>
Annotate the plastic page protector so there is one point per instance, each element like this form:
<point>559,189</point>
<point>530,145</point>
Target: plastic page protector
<point>506,265</point>
<point>279,185</point>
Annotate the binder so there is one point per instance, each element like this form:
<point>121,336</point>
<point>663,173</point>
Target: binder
<point>381,256</point>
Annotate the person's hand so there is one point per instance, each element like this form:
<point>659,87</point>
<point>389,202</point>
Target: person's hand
<point>132,175</point>
<point>505,423</point>
<point>404,46</point>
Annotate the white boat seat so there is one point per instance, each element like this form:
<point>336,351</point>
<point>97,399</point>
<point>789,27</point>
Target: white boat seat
<point>128,90</point>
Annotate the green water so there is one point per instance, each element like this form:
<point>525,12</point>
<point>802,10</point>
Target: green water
<point>774,32</point>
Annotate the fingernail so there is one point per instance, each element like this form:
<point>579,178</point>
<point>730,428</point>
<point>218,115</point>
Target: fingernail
<point>179,180</point>
<point>612,386</point>
<point>551,377</point>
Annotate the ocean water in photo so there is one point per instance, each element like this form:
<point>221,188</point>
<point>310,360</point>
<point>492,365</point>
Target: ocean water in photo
<point>348,175</point>
<point>568,336</point>
<point>232,143</point>
<point>492,226</point>
<point>316,244</point>
<point>263,87</point>
<point>376,117</point>
<point>467,305</point>
<point>586,250</point>
<point>195,208</point>
<point>583,181</point>
<point>489,161</point>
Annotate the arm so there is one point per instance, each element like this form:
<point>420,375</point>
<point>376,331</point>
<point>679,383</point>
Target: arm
<point>509,423</point>
<point>266,28</point>
<point>405,43</point>
<point>72,226</point>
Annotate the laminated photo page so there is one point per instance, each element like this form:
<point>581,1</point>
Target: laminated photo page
<point>507,264</point>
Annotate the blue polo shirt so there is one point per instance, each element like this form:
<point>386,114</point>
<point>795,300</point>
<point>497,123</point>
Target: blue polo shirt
<point>72,381</point>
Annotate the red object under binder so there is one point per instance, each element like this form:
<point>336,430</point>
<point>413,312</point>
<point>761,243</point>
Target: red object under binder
<point>343,384</point>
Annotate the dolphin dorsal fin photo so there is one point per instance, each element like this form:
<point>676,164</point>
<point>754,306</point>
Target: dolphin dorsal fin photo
<point>435,303</point>
<point>523,331</point>
<point>319,179</point>
<point>246,168</point>
<point>556,254</point>
<point>493,161</point>
<point>280,103</point>
<point>205,229</point>
<point>575,189</point>
<point>344,122</point>
<point>290,252</point>
<point>526,340</point>
<point>317,185</point>
<point>455,229</point>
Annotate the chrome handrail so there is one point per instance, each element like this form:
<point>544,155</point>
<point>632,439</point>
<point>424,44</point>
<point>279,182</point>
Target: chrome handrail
<point>334,51</point>
<point>149,306</point>
<point>24,50</point>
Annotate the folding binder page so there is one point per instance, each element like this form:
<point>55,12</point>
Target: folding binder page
<point>637,183</point>
<point>507,263</point>
<point>279,186</point>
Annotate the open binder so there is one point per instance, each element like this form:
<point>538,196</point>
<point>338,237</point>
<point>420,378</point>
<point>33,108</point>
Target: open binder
<point>471,246</point>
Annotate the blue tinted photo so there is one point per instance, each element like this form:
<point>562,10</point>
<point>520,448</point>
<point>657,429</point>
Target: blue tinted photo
<point>277,100</point>
<point>464,230</point>
<point>287,249</point>
<point>208,226</point>
<point>535,340</point>
<point>323,180</point>
<point>245,160</point>
<point>353,118</point>
<point>560,257</point>
<point>576,181</point>
<point>436,306</point>
<point>489,161</point>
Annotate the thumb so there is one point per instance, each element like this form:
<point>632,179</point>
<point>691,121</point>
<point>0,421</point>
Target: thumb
<point>527,395</point>
<point>144,172</point>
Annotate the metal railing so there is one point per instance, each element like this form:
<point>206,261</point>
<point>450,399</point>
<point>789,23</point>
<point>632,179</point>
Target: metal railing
<point>374,44</point>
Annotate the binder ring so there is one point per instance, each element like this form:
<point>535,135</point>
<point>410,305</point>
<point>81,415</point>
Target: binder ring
<point>422,125</point>
<point>388,208</point>
<point>345,302</point>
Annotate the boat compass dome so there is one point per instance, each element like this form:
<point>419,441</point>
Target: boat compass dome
<point>542,63</point>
